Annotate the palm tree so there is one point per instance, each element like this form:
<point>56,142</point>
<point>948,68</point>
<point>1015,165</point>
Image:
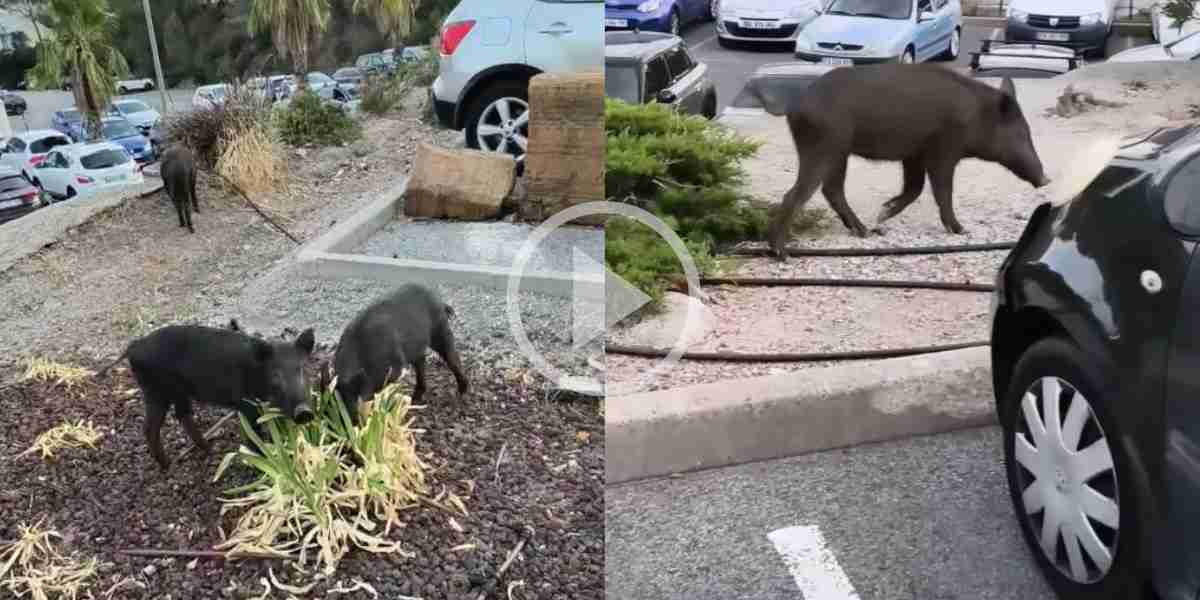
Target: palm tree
<point>1180,12</point>
<point>395,17</point>
<point>83,51</point>
<point>290,23</point>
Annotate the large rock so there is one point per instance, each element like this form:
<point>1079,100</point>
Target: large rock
<point>458,184</point>
<point>564,164</point>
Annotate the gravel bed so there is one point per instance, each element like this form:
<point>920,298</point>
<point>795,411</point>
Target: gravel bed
<point>492,244</point>
<point>113,497</point>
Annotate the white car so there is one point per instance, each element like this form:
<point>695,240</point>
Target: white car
<point>138,113</point>
<point>209,96</point>
<point>144,84</point>
<point>1184,48</point>
<point>83,170</point>
<point>1163,27</point>
<point>763,20</point>
<point>490,50</point>
<point>25,151</point>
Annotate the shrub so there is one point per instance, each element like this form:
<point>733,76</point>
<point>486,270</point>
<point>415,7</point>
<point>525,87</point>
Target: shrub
<point>422,72</point>
<point>639,255</point>
<point>308,119</point>
<point>204,130</point>
<point>251,159</point>
<point>382,94</point>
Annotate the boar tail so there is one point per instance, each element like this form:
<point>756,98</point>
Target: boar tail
<point>112,364</point>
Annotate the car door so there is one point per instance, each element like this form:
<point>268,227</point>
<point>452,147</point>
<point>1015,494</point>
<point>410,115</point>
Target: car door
<point>925,32</point>
<point>565,35</point>
<point>687,80</point>
<point>51,174</point>
<point>1177,552</point>
<point>14,154</point>
<point>657,78</point>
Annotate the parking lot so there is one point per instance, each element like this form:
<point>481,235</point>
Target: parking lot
<point>42,105</point>
<point>730,68</point>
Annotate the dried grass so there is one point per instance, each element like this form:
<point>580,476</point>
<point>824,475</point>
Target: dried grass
<point>252,160</point>
<point>44,369</point>
<point>31,565</point>
<point>67,435</point>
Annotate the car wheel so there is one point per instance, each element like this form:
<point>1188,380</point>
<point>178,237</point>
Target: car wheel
<point>122,91</point>
<point>907,57</point>
<point>674,26</point>
<point>726,43</point>
<point>498,120</point>
<point>70,193</point>
<point>149,86</point>
<point>1069,474</point>
<point>955,45</point>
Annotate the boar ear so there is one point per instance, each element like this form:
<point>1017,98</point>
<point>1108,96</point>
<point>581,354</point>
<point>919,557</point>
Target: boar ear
<point>306,341</point>
<point>1008,105</point>
<point>1006,86</point>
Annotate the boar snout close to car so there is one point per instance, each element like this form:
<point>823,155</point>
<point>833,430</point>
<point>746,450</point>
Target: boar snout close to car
<point>389,335</point>
<point>927,117</point>
<point>179,181</point>
<point>180,363</point>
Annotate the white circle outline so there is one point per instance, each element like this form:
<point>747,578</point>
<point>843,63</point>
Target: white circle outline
<point>600,208</point>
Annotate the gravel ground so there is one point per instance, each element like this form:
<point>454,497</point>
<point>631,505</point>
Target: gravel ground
<point>492,244</point>
<point>990,202</point>
<point>113,497</point>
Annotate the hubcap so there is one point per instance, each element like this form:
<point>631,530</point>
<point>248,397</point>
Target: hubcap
<point>504,127</point>
<point>906,58</point>
<point>1067,480</point>
<point>674,23</point>
<point>954,41</point>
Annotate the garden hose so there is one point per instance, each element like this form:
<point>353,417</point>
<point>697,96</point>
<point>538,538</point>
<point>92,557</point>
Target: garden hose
<point>787,357</point>
<point>899,251</point>
<point>949,286</point>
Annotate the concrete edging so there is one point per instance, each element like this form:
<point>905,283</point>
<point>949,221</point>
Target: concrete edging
<point>731,422</point>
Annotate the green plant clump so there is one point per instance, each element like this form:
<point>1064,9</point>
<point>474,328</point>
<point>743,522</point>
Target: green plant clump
<point>382,94</point>
<point>308,120</point>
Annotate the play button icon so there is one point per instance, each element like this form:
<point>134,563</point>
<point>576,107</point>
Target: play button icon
<point>620,300</point>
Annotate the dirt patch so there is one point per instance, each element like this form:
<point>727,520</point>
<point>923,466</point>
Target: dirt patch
<point>549,481</point>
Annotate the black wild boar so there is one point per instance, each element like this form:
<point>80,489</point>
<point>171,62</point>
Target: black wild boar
<point>389,335</point>
<point>181,363</point>
<point>925,116</point>
<point>179,180</point>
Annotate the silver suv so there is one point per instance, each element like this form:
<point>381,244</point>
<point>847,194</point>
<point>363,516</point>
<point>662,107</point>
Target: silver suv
<point>489,51</point>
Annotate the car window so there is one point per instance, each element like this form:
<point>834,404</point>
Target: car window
<point>13,183</point>
<point>46,143</point>
<point>103,159</point>
<point>1182,201</point>
<point>621,82</point>
<point>116,129</point>
<point>940,4</point>
<point>882,9</point>
<point>1185,47</point>
<point>679,63</point>
<point>16,145</point>
<point>658,77</point>
<point>132,106</point>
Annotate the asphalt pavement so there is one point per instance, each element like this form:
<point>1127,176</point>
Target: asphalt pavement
<point>926,518</point>
<point>42,104</point>
<point>730,68</point>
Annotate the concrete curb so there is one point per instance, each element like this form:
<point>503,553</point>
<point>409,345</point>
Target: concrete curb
<point>731,422</point>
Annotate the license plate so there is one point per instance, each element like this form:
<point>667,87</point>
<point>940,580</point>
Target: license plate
<point>760,24</point>
<point>9,204</point>
<point>829,60</point>
<point>1053,37</point>
<point>616,23</point>
<point>114,178</point>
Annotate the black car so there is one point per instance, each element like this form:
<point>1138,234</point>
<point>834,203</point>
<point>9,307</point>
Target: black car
<point>18,197</point>
<point>645,66</point>
<point>14,105</point>
<point>1096,371</point>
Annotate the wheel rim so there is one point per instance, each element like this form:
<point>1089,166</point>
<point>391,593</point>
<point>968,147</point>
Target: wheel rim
<point>954,42</point>
<point>1067,480</point>
<point>504,127</point>
<point>712,8</point>
<point>906,58</point>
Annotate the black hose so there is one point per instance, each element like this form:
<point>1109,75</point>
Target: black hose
<point>879,283</point>
<point>789,357</point>
<point>900,251</point>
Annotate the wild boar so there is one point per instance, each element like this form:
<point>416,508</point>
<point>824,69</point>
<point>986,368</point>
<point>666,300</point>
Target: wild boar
<point>179,181</point>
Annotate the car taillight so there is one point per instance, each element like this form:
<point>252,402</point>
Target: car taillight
<point>30,197</point>
<point>453,34</point>
<point>37,159</point>
<point>84,179</point>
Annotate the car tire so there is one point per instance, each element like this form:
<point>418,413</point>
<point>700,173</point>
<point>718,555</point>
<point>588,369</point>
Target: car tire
<point>727,43</point>
<point>516,93</point>
<point>675,25</point>
<point>122,91</point>
<point>1110,483</point>
<point>951,53</point>
<point>908,58</point>
<point>70,193</point>
<point>149,86</point>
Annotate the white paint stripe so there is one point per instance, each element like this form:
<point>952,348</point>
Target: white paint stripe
<point>710,38</point>
<point>812,564</point>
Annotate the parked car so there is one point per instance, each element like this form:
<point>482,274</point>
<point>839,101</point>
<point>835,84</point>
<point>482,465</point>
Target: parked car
<point>121,132</point>
<point>375,63</point>
<point>412,54</point>
<point>18,197</point>
<point>1184,48</point>
<point>14,105</point>
<point>318,81</point>
<point>140,114</point>
<point>999,59</point>
<point>26,150</point>
<point>763,20</point>
<point>83,170</point>
<point>68,121</point>
<point>350,79</point>
<point>1095,369</point>
<point>642,67</point>
<point>856,32</point>
<point>483,86</point>
<point>668,16</point>
<point>209,96</point>
<point>280,87</point>
<point>144,84</point>
<point>158,139</point>
<point>774,88</point>
<point>1163,27</point>
<point>1083,24</point>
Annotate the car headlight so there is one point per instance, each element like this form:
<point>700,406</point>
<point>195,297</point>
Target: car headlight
<point>1090,19</point>
<point>802,11</point>
<point>1017,14</point>
<point>649,6</point>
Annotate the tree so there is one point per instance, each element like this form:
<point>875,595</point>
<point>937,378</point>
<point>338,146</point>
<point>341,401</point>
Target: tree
<point>394,17</point>
<point>291,23</point>
<point>83,51</point>
<point>33,10</point>
<point>1180,12</point>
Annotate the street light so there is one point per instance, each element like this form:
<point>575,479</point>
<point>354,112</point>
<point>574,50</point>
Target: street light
<point>162,87</point>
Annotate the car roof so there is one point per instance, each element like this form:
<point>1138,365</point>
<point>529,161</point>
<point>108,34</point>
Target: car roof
<point>80,149</point>
<point>7,171</point>
<point>637,44</point>
<point>1151,144</point>
<point>37,134</point>
<point>211,86</point>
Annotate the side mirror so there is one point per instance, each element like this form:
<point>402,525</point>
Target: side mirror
<point>926,16</point>
<point>666,97</point>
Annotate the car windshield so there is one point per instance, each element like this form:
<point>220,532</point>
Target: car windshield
<point>217,92</point>
<point>46,144</point>
<point>319,78</point>
<point>104,159</point>
<point>1187,46</point>
<point>347,75</point>
<point>621,82</point>
<point>883,9</point>
<point>132,106</point>
<point>118,129</point>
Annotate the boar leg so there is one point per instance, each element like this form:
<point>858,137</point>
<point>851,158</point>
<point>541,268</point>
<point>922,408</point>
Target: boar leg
<point>192,193</point>
<point>941,179</point>
<point>834,190</point>
<point>914,181</point>
<point>179,208</point>
<point>156,414</point>
<point>183,412</point>
<point>808,179</point>
<point>418,364</point>
<point>443,344</point>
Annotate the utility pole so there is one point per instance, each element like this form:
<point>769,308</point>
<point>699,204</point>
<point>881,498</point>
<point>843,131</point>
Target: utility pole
<point>162,86</point>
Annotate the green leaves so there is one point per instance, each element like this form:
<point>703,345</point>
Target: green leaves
<point>310,120</point>
<point>1179,11</point>
<point>291,24</point>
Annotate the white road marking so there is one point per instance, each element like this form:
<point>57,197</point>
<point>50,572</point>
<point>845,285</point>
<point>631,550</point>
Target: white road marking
<point>812,564</point>
<point>695,47</point>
